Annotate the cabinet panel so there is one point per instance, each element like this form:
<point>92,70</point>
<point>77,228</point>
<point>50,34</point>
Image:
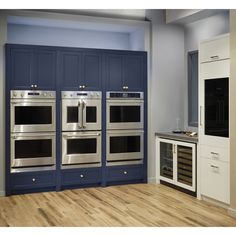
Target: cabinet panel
<point>133,72</point>
<point>124,173</point>
<point>217,49</point>
<point>114,72</point>
<point>70,70</point>
<point>215,153</point>
<point>81,176</point>
<point>31,180</point>
<point>92,71</point>
<point>215,179</point>
<point>21,62</point>
<point>45,69</point>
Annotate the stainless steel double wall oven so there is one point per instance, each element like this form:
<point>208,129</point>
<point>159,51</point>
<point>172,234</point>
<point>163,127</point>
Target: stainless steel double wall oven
<point>81,128</point>
<point>125,124</point>
<point>32,128</point>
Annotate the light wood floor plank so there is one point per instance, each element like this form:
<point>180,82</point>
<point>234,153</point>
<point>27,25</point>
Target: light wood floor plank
<point>127,205</point>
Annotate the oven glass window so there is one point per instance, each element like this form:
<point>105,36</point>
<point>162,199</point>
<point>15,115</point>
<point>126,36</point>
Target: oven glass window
<point>120,114</point>
<point>123,144</point>
<point>217,107</point>
<point>33,148</point>
<point>81,146</point>
<point>91,114</point>
<point>72,114</point>
<point>33,115</point>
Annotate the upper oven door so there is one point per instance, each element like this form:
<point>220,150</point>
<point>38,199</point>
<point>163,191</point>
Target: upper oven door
<point>81,148</point>
<point>81,114</point>
<point>32,115</point>
<point>124,114</point>
<point>34,149</point>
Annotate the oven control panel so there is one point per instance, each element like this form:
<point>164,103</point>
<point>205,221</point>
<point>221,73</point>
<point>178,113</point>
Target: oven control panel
<point>33,94</point>
<point>79,94</point>
<point>125,95</point>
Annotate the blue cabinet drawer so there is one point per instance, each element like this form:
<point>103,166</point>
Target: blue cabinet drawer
<point>81,176</point>
<point>32,180</point>
<point>124,173</point>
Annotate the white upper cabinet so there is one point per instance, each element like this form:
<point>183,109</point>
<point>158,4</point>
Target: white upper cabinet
<point>214,50</point>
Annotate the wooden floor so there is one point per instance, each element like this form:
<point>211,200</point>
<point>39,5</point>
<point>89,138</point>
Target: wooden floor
<point>128,205</point>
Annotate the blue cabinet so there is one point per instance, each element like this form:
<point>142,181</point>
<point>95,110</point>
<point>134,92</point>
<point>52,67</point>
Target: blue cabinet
<point>32,181</point>
<point>124,173</point>
<point>80,70</point>
<point>31,67</point>
<point>125,71</point>
<point>80,177</point>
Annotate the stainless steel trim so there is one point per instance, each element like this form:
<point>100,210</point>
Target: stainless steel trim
<point>81,158</point>
<point>125,125</point>
<point>109,98</point>
<point>76,166</point>
<point>32,94</point>
<point>32,162</point>
<point>30,169</point>
<point>119,163</point>
<point>124,156</point>
<point>33,127</point>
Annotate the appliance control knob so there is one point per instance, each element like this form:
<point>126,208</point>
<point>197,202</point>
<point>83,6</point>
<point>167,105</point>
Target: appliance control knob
<point>97,94</point>
<point>14,94</point>
<point>71,95</point>
<point>45,94</point>
<point>50,94</point>
<point>22,95</point>
<point>64,95</point>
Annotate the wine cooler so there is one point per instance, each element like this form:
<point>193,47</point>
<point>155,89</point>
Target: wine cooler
<point>177,163</point>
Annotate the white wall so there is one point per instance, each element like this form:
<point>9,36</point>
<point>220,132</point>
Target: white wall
<point>40,35</point>
<point>196,32</point>
<point>166,100</point>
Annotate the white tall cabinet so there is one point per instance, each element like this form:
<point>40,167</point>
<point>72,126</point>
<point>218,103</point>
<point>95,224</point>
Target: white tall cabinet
<point>214,63</point>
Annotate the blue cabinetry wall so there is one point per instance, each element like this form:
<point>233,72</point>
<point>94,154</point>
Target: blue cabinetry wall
<point>61,69</point>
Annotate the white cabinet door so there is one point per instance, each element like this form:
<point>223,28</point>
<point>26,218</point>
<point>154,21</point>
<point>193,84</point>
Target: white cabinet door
<point>217,49</point>
<point>215,179</point>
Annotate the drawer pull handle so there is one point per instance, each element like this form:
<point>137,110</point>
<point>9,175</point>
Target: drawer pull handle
<point>125,172</point>
<point>81,176</point>
<point>215,154</point>
<point>215,168</point>
<point>33,180</point>
<point>215,57</point>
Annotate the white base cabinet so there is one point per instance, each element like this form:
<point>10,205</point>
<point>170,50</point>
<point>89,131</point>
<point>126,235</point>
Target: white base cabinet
<point>177,163</point>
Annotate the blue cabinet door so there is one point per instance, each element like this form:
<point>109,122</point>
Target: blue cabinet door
<point>21,66</point>
<point>70,70</point>
<point>133,72</point>
<point>45,69</point>
<point>125,71</point>
<point>92,71</point>
<point>114,72</point>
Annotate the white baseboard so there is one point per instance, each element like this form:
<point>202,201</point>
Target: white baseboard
<point>152,180</point>
<point>2,194</point>
<point>232,212</point>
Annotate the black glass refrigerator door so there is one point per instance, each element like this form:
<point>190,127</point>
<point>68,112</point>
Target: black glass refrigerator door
<point>217,107</point>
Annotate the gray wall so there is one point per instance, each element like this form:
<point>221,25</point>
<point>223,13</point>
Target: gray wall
<point>196,32</point>
<point>166,100</point>
<point>40,35</point>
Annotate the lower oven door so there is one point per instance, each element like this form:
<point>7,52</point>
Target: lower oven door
<point>81,148</point>
<point>34,149</point>
<point>124,145</point>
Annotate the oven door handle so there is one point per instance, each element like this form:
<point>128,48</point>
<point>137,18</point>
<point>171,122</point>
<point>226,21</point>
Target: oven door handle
<point>83,114</point>
<point>81,135</point>
<point>79,114</point>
